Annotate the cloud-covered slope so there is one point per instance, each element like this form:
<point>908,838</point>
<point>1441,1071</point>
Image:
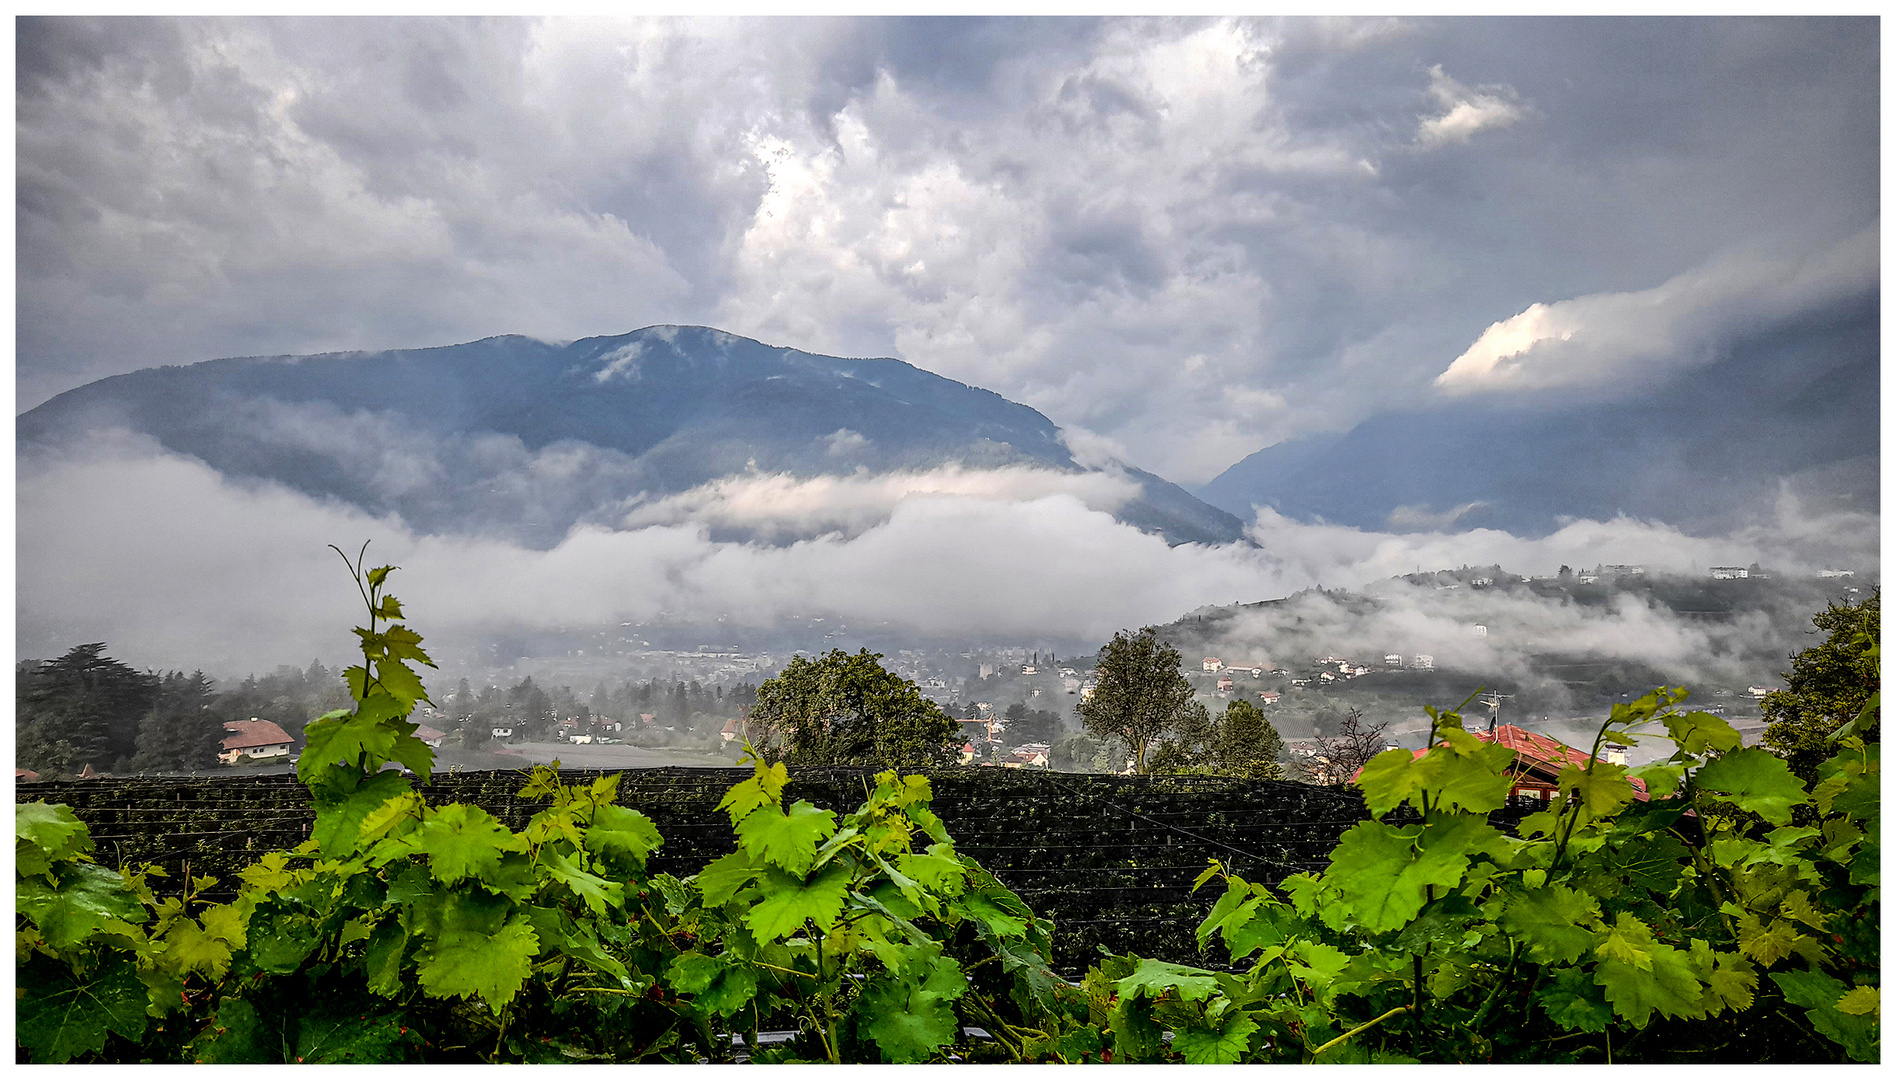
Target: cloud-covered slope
<point>1706,452</point>
<point>525,439</point>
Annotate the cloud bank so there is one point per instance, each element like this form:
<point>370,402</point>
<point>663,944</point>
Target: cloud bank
<point>1615,340</point>
<point>174,565</point>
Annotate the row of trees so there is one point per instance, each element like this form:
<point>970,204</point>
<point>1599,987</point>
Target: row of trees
<point>535,712</point>
<point>87,709</point>
<point>840,709</point>
<point>1143,701</point>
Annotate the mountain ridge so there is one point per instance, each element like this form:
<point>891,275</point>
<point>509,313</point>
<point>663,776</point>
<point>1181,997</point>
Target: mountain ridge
<point>656,410</point>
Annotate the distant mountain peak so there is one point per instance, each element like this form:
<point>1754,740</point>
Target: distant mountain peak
<point>526,438</point>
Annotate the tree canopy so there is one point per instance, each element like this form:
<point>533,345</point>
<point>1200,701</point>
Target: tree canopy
<point>1828,684</point>
<point>81,709</point>
<point>1139,693</point>
<point>840,709</point>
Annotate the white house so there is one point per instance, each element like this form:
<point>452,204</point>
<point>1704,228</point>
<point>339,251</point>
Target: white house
<point>1730,572</point>
<point>256,739</point>
<point>1212,663</point>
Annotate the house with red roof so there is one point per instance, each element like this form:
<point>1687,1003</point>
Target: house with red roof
<point>1538,761</point>
<point>431,736</point>
<point>256,739</point>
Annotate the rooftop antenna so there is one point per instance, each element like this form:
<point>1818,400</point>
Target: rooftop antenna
<point>1493,702</point>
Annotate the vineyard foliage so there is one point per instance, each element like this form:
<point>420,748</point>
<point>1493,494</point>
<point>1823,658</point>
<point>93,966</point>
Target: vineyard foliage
<point>1709,906</point>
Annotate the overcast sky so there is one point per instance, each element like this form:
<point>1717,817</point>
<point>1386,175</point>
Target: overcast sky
<point>1189,239</point>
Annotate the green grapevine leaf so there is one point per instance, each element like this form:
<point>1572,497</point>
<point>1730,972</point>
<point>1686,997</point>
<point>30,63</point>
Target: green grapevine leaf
<point>380,574</point>
<point>47,834</point>
<point>995,908</point>
<point>786,838</point>
<point>909,1018</point>
<point>382,961</point>
<point>239,1036</point>
<point>1600,789</point>
<point>339,819</point>
<point>1651,862</point>
<point>557,930</point>
<point>1699,732</point>
<point>1154,977</point>
<point>188,947</point>
<point>1767,943</point>
<point>719,985</point>
<point>464,962</point>
<point>1819,995</point>
<point>1460,773</point>
<point>463,841</point>
<point>401,683</point>
<point>1730,980</point>
<point>1860,1001</point>
<point>1755,780</point>
<point>349,738</point>
<point>1640,975</point>
<point>726,876</point>
<point>1556,923</point>
<point>765,788</point>
<point>1383,872</point>
<point>599,894</point>
<point>939,870</point>
<point>60,1016</point>
<point>1573,1001</point>
<point>347,1038</point>
<point>906,1025</point>
<point>404,644</point>
<point>788,901</point>
<point>618,831</point>
<point>84,900</point>
<point>281,937</point>
<point>1223,1045</point>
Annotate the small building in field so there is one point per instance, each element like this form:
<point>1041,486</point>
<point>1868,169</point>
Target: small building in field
<point>1212,663</point>
<point>255,739</point>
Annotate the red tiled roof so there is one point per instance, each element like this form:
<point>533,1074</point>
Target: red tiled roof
<point>1532,749</point>
<point>425,733</point>
<point>249,733</point>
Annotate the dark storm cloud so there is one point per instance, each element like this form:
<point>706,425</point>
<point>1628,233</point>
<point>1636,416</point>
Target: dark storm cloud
<point>1182,238</point>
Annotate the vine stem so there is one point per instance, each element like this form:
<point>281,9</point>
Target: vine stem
<point>1359,1029</point>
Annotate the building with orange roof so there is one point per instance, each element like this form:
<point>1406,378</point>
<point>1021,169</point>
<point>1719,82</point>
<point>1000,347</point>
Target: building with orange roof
<point>1538,760</point>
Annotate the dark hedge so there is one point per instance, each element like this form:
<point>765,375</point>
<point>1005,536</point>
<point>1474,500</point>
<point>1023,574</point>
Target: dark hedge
<point>1109,858</point>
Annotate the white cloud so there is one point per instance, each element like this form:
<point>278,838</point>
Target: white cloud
<point>1792,540</point>
<point>1612,339</point>
<point>843,442</point>
<point>1413,518</point>
<point>1466,111</point>
<point>622,362</point>
<point>175,566</point>
<point>775,505</point>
